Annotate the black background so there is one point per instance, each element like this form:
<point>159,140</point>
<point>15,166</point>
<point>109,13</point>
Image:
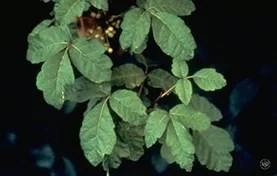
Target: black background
<point>239,39</point>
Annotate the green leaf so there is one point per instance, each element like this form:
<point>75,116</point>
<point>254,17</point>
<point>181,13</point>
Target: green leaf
<point>129,74</point>
<point>166,154</point>
<point>40,27</point>
<point>135,26</point>
<point>92,102</point>
<point>87,56</point>
<point>55,74</point>
<point>213,148</point>
<point>145,61</point>
<point>97,134</point>
<point>66,11</point>
<point>128,106</point>
<point>70,30</point>
<point>114,160</point>
<point>129,145</point>
<point>83,90</point>
<point>176,7</point>
<point>46,44</point>
<point>155,126</point>
<point>190,117</point>
<point>122,149</point>
<point>100,4</point>
<point>208,79</point>
<point>173,36</point>
<point>160,78</point>
<point>184,90</point>
<point>45,1</point>
<point>141,3</point>
<point>202,104</point>
<point>133,137</point>
<point>142,47</point>
<point>179,140</point>
<point>145,99</point>
<point>179,68</point>
<point>141,59</point>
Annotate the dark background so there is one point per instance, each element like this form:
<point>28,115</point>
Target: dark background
<point>238,39</point>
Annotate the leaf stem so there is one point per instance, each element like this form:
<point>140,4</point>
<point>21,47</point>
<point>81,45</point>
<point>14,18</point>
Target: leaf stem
<point>165,93</point>
<point>142,84</point>
<point>168,91</point>
<point>189,77</point>
<point>105,102</point>
<point>140,89</point>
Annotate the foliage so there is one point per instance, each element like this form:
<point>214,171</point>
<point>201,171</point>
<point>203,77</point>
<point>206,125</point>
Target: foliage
<point>122,117</point>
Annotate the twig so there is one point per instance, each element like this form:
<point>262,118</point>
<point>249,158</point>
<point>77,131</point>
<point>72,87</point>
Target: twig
<point>165,93</point>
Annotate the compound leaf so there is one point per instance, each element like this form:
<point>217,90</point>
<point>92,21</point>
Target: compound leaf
<point>176,7</point>
<point>55,74</point>
<point>184,90</point>
<point>128,106</point>
<point>83,90</point>
<point>135,26</point>
<point>213,147</point>
<point>202,104</point>
<point>66,11</point>
<point>160,78</point>
<point>87,56</point>
<point>128,74</point>
<point>208,79</point>
<point>155,126</point>
<point>179,140</point>
<point>100,4</point>
<point>46,44</point>
<point>97,133</point>
<point>173,36</point>
<point>190,117</point>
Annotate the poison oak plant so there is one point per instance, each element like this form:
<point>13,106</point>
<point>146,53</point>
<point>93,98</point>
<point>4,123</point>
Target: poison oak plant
<point>74,49</point>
